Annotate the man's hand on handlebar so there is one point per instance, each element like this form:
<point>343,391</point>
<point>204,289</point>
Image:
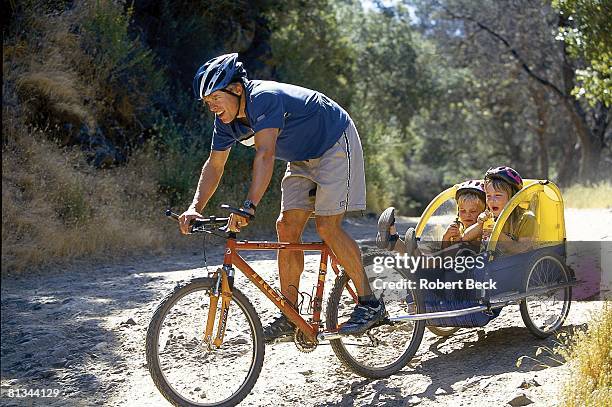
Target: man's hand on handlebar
<point>186,218</point>
<point>236,221</point>
<point>238,218</point>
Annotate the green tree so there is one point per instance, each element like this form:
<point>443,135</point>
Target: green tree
<point>512,41</point>
<point>586,28</point>
<point>310,50</point>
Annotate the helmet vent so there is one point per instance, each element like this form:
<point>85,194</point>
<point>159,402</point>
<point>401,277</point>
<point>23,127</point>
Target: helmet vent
<point>216,74</point>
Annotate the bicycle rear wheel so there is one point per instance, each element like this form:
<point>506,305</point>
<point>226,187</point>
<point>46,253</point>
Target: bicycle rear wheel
<point>384,349</point>
<point>185,370</point>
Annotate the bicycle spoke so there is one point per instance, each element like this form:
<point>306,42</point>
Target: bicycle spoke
<point>192,368</point>
<point>546,311</point>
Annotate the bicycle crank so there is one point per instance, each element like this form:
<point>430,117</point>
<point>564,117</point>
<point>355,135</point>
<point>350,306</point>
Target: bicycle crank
<point>302,343</point>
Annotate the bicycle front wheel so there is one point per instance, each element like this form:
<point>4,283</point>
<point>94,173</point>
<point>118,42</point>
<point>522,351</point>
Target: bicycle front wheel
<point>384,349</point>
<point>189,372</point>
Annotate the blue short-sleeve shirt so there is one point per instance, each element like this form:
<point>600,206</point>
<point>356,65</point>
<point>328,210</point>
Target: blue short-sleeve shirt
<point>309,122</point>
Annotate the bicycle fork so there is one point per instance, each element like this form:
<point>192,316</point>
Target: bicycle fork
<point>222,288</point>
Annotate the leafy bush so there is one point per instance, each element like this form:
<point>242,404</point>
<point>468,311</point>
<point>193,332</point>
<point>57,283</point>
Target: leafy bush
<point>180,160</point>
<point>121,67</point>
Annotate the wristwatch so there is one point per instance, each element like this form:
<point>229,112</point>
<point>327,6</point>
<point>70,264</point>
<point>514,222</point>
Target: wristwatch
<point>248,204</point>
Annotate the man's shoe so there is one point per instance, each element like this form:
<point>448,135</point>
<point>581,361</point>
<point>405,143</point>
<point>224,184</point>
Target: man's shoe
<point>384,239</point>
<point>279,328</point>
<point>363,318</point>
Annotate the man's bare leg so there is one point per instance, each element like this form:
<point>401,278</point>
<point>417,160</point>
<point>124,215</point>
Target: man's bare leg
<point>369,311</point>
<point>289,227</point>
<point>345,249</point>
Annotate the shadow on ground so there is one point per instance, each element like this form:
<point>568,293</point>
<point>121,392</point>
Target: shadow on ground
<point>477,358</point>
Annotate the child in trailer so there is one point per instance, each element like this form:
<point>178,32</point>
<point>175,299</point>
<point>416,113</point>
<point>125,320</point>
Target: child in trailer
<point>470,198</point>
<point>501,184</point>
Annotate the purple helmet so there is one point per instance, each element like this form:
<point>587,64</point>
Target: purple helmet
<point>507,174</point>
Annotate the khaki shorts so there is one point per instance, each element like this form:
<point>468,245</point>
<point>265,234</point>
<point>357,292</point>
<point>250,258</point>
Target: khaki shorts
<point>338,177</point>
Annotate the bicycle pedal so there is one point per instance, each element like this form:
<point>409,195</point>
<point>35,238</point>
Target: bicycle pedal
<point>384,321</point>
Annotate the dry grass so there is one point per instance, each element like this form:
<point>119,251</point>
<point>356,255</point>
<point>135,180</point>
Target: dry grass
<point>589,354</point>
<point>80,66</point>
<point>56,208</point>
<point>54,94</point>
<point>44,74</point>
<point>595,196</point>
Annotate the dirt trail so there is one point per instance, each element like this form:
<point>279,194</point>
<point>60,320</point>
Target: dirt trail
<point>82,332</point>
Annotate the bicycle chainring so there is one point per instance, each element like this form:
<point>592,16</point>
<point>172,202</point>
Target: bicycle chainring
<point>302,343</point>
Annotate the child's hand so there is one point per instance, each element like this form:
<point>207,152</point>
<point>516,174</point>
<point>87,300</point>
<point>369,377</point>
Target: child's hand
<point>452,233</point>
<point>483,217</point>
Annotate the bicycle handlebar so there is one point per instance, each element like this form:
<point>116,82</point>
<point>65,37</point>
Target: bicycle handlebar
<point>210,221</point>
<point>171,214</point>
<point>237,211</point>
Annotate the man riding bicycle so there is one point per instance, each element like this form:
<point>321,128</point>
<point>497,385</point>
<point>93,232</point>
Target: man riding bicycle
<point>322,147</point>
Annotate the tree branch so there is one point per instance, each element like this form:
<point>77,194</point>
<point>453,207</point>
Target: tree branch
<point>513,51</point>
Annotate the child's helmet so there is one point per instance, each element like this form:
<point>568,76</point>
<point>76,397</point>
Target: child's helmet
<point>217,74</point>
<point>475,186</point>
<point>507,174</point>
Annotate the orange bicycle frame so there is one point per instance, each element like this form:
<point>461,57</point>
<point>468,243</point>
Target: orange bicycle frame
<point>309,328</point>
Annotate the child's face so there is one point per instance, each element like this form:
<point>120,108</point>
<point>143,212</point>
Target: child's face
<point>469,211</point>
<point>496,200</point>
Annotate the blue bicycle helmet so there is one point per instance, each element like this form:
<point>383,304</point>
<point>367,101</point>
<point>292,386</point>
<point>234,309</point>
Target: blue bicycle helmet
<point>217,74</point>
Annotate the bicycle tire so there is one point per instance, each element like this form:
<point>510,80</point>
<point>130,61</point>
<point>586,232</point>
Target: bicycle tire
<point>240,301</point>
<point>531,279</point>
<point>339,346</point>
<point>443,331</point>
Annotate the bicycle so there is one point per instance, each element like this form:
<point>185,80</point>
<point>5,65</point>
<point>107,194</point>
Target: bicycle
<point>185,354</point>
